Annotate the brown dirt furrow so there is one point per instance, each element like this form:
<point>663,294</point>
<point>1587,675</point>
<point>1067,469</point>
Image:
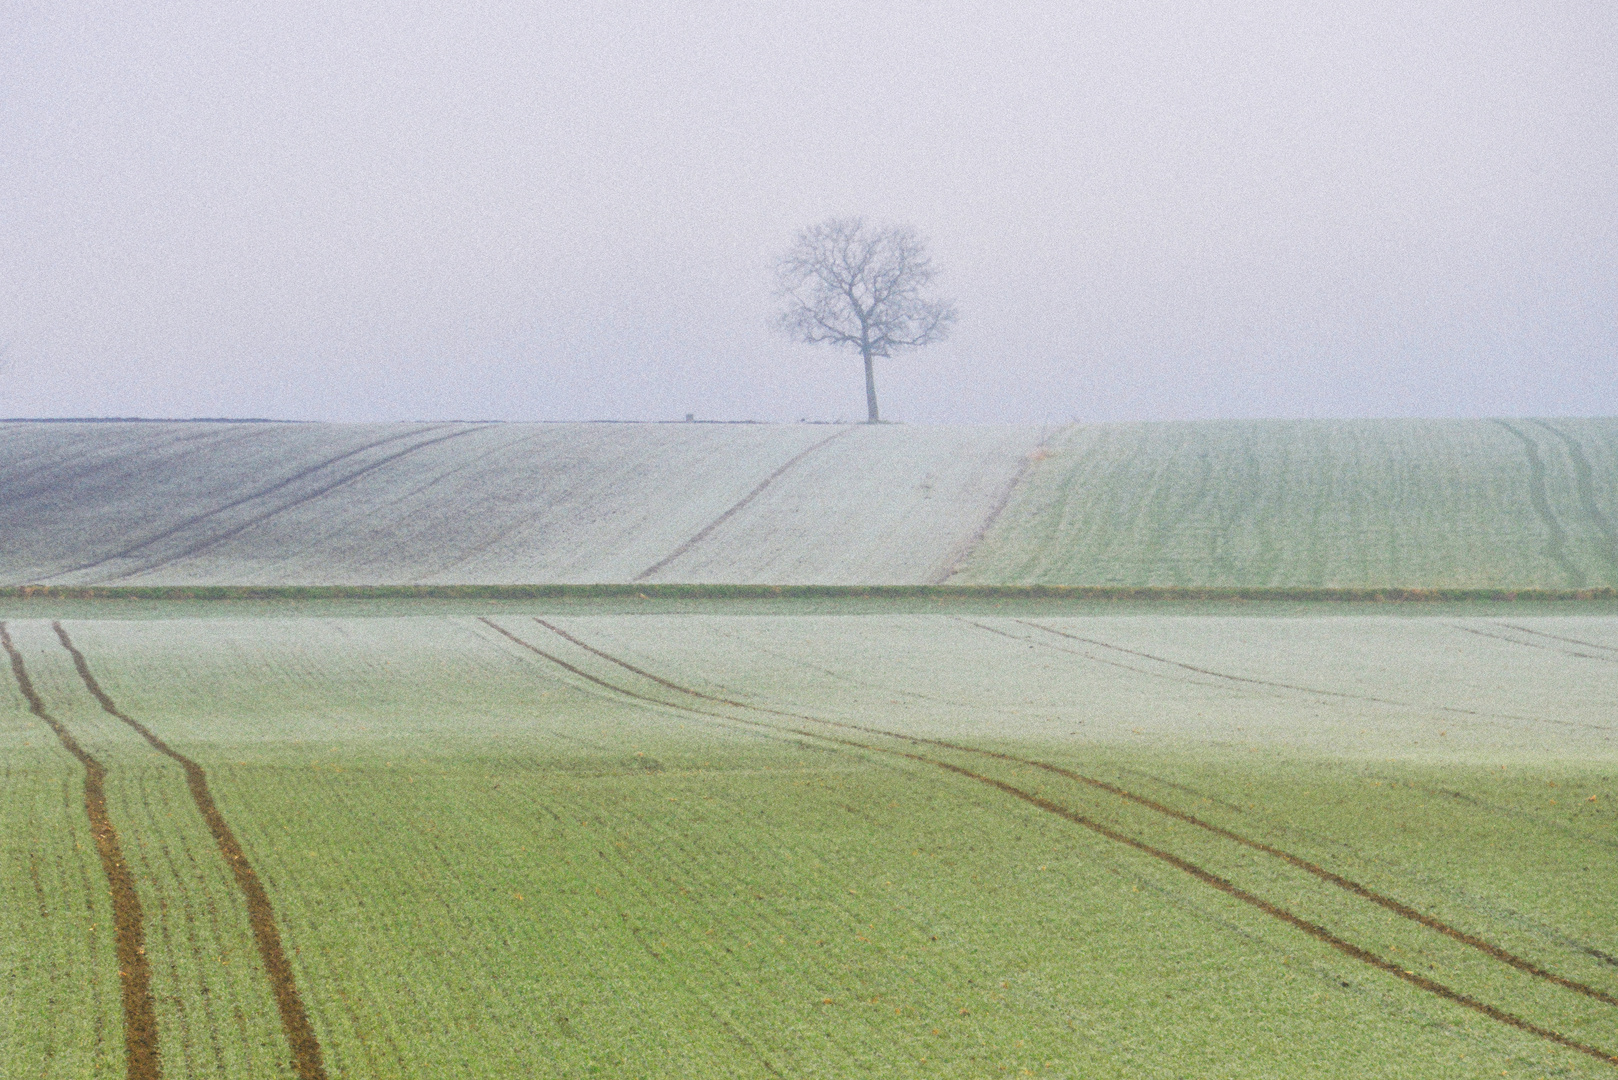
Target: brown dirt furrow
<point>1207,877</point>
<point>1349,885</point>
<point>39,888</point>
<point>708,529</point>
<point>1314,930</point>
<point>307,1061</point>
<point>141,1056</point>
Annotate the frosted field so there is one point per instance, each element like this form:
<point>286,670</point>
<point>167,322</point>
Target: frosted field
<point>530,841</point>
<point>1370,504</point>
<point>495,503</point>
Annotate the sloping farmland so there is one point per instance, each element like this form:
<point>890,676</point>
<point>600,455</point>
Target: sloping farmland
<point>156,503</point>
<point>1467,504</point>
<point>1354,503</point>
<point>531,844</point>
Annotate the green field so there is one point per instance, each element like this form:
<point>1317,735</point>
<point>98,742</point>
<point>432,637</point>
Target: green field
<point>1349,503</point>
<point>554,839</point>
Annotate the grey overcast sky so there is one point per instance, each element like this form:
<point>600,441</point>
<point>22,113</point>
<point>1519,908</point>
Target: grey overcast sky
<point>373,211</point>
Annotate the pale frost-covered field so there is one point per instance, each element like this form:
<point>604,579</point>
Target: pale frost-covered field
<point>1517,504</point>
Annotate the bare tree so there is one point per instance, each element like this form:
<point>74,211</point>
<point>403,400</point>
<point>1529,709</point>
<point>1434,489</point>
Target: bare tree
<point>861,287</point>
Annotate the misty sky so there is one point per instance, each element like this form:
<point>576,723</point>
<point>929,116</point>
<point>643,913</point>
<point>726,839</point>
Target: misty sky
<point>373,211</point>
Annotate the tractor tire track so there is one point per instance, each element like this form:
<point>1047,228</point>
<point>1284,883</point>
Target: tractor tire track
<point>1317,691</point>
<point>1584,483</point>
<point>1558,637</point>
<point>198,519</point>
<point>1149,673</point>
<point>1348,885</point>
<point>141,1056</point>
<point>708,529</point>
<point>306,1054</point>
<point>308,497</point>
<point>957,558</point>
<point>1207,877</point>
<point>1556,536</point>
<point>1314,930</point>
<point>11,496</point>
<point>1532,644</point>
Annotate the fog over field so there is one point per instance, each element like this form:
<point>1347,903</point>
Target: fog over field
<point>446,631</point>
<point>389,211</point>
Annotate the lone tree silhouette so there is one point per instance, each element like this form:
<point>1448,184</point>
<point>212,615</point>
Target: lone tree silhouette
<point>861,287</point>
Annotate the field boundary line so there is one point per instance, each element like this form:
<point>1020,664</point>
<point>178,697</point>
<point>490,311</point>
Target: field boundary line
<point>306,1055</point>
<point>1349,885</point>
<point>957,558</point>
<point>141,1057</point>
<point>1207,877</point>
<point>1234,596</point>
<point>707,530</point>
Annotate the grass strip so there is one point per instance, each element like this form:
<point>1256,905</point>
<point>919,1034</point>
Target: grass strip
<point>306,1056</point>
<point>664,591</point>
<point>141,1057</point>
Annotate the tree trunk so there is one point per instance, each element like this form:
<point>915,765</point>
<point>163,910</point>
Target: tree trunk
<point>870,390</point>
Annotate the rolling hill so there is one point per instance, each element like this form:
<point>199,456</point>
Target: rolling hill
<point>1370,503</point>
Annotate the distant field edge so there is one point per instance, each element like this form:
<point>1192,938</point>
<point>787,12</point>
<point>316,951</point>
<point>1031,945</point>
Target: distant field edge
<point>1079,593</point>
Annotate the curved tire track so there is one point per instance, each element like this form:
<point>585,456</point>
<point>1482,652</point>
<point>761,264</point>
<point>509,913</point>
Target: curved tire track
<point>204,544</point>
<point>1281,685</point>
<point>1356,888</point>
<point>141,1055</point>
<point>1558,637</point>
<point>198,519</point>
<point>956,561</point>
<point>1556,538</point>
<point>1584,483</point>
<point>306,1055</point>
<point>708,529</point>
<point>1508,639</point>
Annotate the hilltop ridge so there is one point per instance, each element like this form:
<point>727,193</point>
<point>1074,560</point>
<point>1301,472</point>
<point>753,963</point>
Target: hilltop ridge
<point>1324,504</point>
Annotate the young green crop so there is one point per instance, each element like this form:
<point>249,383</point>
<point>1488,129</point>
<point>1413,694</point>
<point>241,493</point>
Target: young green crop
<point>1357,503</point>
<point>710,845</point>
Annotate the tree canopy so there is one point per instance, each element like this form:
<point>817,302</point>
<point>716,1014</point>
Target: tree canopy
<point>862,287</point>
